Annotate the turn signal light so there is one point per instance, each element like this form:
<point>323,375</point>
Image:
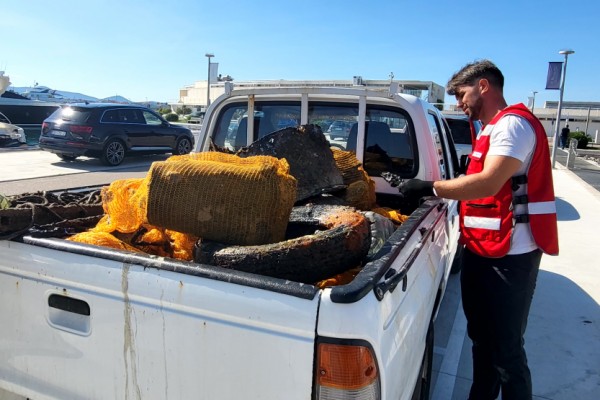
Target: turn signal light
<point>346,372</point>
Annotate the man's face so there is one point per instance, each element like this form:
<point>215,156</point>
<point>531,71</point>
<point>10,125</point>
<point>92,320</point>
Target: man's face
<point>468,97</point>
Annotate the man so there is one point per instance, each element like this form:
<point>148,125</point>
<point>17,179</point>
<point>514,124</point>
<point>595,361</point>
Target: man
<point>508,218</point>
<point>564,136</point>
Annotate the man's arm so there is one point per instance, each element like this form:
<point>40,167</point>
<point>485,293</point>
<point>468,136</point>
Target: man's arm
<point>496,171</point>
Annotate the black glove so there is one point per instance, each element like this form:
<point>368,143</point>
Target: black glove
<point>415,189</point>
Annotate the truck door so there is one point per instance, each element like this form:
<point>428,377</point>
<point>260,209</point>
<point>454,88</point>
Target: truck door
<point>446,164</point>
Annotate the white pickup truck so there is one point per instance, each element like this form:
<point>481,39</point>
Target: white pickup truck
<point>87,322</point>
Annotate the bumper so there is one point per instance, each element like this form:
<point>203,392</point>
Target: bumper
<point>69,148</point>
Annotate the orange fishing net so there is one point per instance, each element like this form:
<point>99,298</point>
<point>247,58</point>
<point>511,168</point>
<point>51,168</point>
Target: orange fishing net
<point>392,214</point>
<point>102,239</point>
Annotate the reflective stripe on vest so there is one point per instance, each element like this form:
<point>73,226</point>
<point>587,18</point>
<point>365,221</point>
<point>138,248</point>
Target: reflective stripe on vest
<point>493,224</point>
<point>543,207</point>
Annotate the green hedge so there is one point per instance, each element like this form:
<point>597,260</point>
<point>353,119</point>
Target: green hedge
<point>172,117</point>
<point>582,139</point>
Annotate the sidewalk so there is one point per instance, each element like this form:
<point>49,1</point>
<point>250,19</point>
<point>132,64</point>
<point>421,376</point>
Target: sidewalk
<point>563,333</point>
<point>586,164</point>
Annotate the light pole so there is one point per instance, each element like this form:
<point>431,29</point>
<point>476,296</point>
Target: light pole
<point>208,55</point>
<point>566,52</point>
<point>533,102</point>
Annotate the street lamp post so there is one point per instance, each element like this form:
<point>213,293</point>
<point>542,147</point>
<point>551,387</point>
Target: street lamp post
<point>533,102</point>
<point>209,56</point>
<point>562,88</point>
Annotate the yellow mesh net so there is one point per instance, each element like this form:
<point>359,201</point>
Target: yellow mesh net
<point>392,214</point>
<point>360,191</point>
<point>212,195</point>
<point>124,202</point>
<point>102,239</point>
<point>222,197</point>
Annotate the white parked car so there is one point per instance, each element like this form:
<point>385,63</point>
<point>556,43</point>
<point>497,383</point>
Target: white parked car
<point>9,133</point>
<point>459,125</point>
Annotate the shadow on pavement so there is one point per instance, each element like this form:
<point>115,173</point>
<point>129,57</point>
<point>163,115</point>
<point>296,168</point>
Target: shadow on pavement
<point>565,211</point>
<point>132,163</point>
<point>562,340</point>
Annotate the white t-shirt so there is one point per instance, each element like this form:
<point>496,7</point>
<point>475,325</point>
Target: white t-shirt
<point>513,136</point>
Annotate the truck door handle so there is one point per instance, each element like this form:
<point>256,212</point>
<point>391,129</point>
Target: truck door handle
<point>69,304</point>
<point>69,314</point>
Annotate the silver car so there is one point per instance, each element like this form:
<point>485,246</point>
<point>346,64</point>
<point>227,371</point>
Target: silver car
<point>9,133</point>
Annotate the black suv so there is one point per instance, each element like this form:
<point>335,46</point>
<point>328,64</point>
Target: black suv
<point>110,131</point>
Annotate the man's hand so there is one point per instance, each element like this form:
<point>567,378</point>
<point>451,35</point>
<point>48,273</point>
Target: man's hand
<point>411,189</point>
<point>414,189</point>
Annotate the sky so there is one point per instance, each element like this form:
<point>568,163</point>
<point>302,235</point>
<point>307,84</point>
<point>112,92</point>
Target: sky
<point>149,50</point>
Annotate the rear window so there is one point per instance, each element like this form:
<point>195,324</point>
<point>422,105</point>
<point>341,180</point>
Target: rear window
<point>461,132</point>
<point>72,114</point>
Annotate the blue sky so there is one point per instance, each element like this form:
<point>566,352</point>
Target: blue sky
<point>148,50</point>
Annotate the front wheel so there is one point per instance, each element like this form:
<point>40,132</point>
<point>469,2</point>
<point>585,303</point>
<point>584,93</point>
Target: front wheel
<point>423,385</point>
<point>184,146</point>
<point>113,153</point>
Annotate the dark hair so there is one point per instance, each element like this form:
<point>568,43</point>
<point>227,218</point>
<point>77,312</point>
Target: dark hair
<point>472,72</point>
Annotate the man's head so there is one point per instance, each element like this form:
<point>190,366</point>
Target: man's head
<point>475,83</point>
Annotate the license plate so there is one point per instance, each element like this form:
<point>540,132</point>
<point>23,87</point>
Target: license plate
<point>58,133</point>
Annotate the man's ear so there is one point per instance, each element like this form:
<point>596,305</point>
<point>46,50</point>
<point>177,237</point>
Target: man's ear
<point>484,85</point>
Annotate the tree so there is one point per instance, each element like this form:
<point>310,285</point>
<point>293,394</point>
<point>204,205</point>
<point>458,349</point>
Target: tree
<point>184,110</point>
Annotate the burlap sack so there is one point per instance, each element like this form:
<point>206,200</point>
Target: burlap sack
<point>222,197</point>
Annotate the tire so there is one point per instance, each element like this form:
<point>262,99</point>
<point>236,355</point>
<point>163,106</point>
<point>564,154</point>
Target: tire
<point>423,384</point>
<point>183,146</point>
<point>113,153</point>
<point>458,260</point>
<point>325,240</point>
<point>66,157</point>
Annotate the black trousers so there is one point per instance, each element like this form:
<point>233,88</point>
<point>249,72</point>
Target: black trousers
<point>496,296</point>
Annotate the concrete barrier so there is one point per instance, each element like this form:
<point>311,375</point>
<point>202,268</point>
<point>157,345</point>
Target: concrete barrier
<point>572,153</point>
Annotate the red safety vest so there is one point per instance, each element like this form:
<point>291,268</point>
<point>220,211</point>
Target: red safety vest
<point>487,223</point>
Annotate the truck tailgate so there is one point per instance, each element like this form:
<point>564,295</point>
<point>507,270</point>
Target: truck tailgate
<point>82,327</point>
